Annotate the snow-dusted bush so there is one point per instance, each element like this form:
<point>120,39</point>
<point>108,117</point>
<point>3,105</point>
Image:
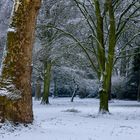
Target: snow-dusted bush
<point>118,87</point>
<point>88,88</point>
<point>69,79</point>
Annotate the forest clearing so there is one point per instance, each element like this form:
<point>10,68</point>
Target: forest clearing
<point>63,120</point>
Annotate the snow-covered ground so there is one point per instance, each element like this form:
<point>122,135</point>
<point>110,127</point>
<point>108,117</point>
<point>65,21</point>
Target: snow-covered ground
<point>63,120</point>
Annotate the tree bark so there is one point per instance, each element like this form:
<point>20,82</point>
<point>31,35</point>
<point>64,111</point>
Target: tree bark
<point>107,73</point>
<point>47,80</point>
<point>100,37</point>
<point>109,93</point>
<point>16,66</point>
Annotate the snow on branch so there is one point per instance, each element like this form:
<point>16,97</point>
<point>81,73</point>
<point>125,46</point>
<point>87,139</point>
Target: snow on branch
<point>10,92</point>
<point>11,29</point>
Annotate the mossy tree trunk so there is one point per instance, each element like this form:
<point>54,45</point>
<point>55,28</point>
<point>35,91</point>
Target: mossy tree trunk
<point>105,62</point>
<point>47,80</point>
<point>16,66</point>
<point>100,37</point>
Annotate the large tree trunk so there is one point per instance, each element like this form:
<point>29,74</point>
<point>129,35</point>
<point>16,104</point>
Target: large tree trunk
<point>103,92</point>
<point>15,80</point>
<point>47,80</point>
<point>107,73</point>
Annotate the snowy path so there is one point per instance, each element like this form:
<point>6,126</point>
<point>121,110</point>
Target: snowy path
<point>63,120</point>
